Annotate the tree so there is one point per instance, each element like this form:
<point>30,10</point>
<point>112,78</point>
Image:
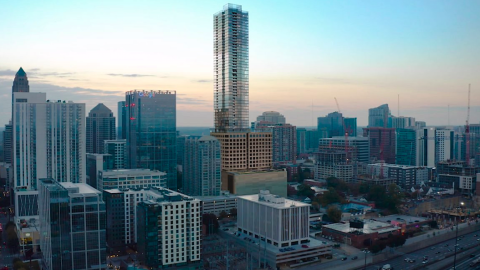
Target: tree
<point>291,191</point>
<point>304,190</point>
<point>337,184</point>
<point>223,215</point>
<point>331,196</point>
<point>334,214</point>
<point>315,205</point>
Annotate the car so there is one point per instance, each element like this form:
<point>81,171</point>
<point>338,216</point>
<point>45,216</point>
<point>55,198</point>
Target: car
<point>425,262</point>
<point>475,235</point>
<point>432,248</point>
<point>459,239</point>
<point>344,258</point>
<point>478,239</point>
<point>407,259</point>
<point>354,257</point>
<point>438,252</point>
<point>425,257</point>
<point>411,260</point>
<point>304,246</point>
<point>472,255</point>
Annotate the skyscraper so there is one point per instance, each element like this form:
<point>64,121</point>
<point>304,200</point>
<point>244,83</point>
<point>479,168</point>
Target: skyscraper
<point>434,145</point>
<point>100,127</point>
<point>231,69</point>
<point>121,120</point>
<point>118,150</point>
<point>202,166</point>
<point>151,132</point>
<point>406,147</point>
<point>382,143</point>
<point>7,143</point>
<point>378,117</point>
<point>284,141</point>
<point>271,117</point>
<point>20,83</point>
<point>330,125</point>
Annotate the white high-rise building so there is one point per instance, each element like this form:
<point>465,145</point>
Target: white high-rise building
<point>48,142</point>
<point>434,145</point>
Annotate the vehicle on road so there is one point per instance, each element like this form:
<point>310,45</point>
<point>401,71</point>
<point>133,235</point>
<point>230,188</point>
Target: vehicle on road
<point>411,261</point>
<point>425,262</point>
<point>472,255</point>
<point>354,257</point>
<point>344,258</point>
<point>474,262</point>
<point>387,267</point>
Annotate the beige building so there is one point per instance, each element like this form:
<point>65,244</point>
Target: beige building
<point>245,150</point>
<point>251,182</point>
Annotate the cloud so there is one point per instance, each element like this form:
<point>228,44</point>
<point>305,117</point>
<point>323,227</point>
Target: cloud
<point>129,75</point>
<point>191,101</point>
<point>202,81</point>
<point>7,72</point>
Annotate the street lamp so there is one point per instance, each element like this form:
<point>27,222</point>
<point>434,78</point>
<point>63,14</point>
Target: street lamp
<point>456,239</point>
<point>366,252</point>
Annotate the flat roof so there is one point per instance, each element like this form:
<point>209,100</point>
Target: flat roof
<point>401,218</point>
<point>215,198</point>
<point>127,172</point>
<point>286,204</point>
<point>82,187</point>
<point>370,226</point>
<point>257,171</point>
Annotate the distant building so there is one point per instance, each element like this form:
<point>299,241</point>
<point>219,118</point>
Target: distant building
<point>168,226</point>
<point>378,117</point>
<point>217,204</point>
<point>72,222</point>
<point>406,147</point>
<point>360,147</point>
<point>434,145</point>
<point>458,175</point>
<point>251,182</point>
<point>118,150</point>
<point>7,143</point>
<point>151,132</point>
<point>405,176</point>
<point>181,149</point>
<point>130,178</point>
<point>330,125</point>
<point>311,138</point>
<point>96,163</point>
<point>121,120</point>
<point>100,127</point>
<point>351,124</point>
<point>382,143</point>
<point>374,180</point>
<point>271,117</point>
<point>331,162</point>
<point>202,166</point>
<point>20,83</point>
<point>401,122</point>
<point>284,142</point>
<point>301,141</point>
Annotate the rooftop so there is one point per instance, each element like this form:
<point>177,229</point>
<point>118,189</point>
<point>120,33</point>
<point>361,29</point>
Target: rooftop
<point>127,172</point>
<point>82,188</point>
<point>257,171</point>
<point>401,218</point>
<point>370,226</point>
<point>274,201</point>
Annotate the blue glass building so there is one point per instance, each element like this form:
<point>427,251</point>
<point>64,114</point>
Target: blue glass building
<point>151,132</point>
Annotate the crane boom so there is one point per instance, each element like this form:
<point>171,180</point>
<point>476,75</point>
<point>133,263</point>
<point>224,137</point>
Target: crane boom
<point>345,130</point>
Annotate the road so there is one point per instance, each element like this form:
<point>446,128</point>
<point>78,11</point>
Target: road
<point>435,252</point>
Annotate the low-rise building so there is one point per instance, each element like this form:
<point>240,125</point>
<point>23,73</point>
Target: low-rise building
<point>251,182</point>
<point>405,176</point>
<point>131,178</point>
<point>217,204</point>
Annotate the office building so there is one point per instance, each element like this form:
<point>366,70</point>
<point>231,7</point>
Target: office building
<point>121,120</point>
<point>360,147</point>
<point>301,141</point>
<point>7,143</point>
<point>382,143</point>
<point>231,69</point>
<point>351,124</point>
<point>330,125</point>
<point>312,137</point>
<point>168,228</point>
<point>131,178</point>
<point>151,132</point>
<point>279,221</point>
<point>406,147</point>
<point>378,117</point>
<point>404,176</point>
<point>20,83</point>
<point>217,204</point>
<point>118,150</point>
<point>271,117</point>
<point>72,222</point>
<point>100,127</point>
<point>202,166</point>
<point>245,151</point>
<point>284,142</point>
<point>252,181</point>
<point>331,162</point>
<point>96,163</point>
<point>181,149</point>
<point>434,145</point>
<point>458,175</point>
<point>401,122</point>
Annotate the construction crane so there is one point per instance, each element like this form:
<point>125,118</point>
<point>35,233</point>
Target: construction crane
<point>467,131</point>
<point>345,130</point>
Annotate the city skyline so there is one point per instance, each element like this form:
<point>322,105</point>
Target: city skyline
<point>363,55</point>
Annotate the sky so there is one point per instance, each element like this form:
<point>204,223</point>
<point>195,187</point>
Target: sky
<point>303,54</point>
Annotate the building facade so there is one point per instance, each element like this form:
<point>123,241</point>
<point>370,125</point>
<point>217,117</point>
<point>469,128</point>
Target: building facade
<point>118,150</point>
<point>271,117</point>
<point>331,162</point>
<point>406,146</point>
<point>169,230</point>
<point>301,141</point>
<point>252,181</point>
<point>100,127</point>
<point>151,132</point>
<point>284,142</point>
<point>231,69</point>
<point>130,178</point>
<point>72,220</point>
<point>281,222</point>
<point>405,176</point>
<point>121,120</point>
<point>382,143</point>
<point>7,143</point>
<point>378,117</point>
<point>360,147</point>
<point>330,125</point>
<point>434,145</point>
<point>96,163</point>
<point>202,166</point>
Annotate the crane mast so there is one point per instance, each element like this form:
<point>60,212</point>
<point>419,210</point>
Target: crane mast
<point>467,131</point>
<point>345,130</point>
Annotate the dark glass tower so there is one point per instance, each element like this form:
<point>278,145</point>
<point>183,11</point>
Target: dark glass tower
<point>151,132</point>
<point>231,72</point>
<point>20,83</point>
<point>122,120</point>
<point>100,127</point>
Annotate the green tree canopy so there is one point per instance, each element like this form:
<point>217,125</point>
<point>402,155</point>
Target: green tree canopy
<point>334,214</point>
